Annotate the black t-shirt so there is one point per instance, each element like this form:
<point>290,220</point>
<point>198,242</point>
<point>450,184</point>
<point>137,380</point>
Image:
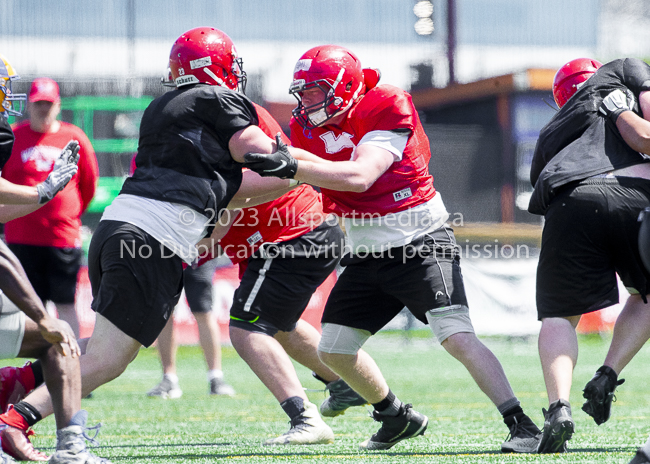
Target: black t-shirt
<point>183,154</point>
<point>580,142</point>
<point>6,140</point>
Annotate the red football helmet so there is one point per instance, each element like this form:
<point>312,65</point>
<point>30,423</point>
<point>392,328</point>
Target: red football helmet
<point>206,55</point>
<point>337,72</point>
<point>570,77</point>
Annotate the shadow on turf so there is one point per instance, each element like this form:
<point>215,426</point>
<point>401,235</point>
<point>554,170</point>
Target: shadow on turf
<point>304,453</point>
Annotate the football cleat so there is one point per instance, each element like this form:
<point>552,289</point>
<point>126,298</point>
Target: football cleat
<point>640,457</point>
<point>599,393</point>
<point>306,429</point>
<point>166,389</point>
<point>71,444</point>
<point>558,428</point>
<point>220,387</point>
<point>524,435</point>
<point>407,424</point>
<point>341,398</point>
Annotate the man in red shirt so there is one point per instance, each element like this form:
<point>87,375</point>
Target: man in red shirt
<point>48,241</point>
<point>371,163</point>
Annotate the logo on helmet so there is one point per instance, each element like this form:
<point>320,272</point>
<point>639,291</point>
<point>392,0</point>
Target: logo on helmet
<point>302,65</point>
<point>200,63</point>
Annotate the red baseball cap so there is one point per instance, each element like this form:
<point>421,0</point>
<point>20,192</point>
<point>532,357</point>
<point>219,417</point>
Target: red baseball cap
<point>44,89</point>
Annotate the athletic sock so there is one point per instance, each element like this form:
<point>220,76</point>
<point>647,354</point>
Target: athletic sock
<point>215,374</point>
<point>37,371</point>
<point>28,412</point>
<point>389,406</point>
<point>318,377</point>
<point>510,407</point>
<point>293,407</point>
<point>173,378</point>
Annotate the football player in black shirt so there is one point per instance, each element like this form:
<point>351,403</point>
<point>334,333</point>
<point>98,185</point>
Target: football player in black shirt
<point>590,185</point>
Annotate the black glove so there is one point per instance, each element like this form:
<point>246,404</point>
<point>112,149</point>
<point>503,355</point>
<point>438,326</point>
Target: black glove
<point>616,102</point>
<point>280,163</point>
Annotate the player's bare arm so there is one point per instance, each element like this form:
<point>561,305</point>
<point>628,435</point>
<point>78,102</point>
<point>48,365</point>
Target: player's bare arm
<point>356,175</point>
<point>10,212</point>
<point>255,190</point>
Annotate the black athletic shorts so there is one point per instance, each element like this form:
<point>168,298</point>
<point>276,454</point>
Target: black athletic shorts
<point>198,287</point>
<point>422,276</point>
<point>135,281</point>
<point>51,271</point>
<point>591,234</point>
<point>281,278</point>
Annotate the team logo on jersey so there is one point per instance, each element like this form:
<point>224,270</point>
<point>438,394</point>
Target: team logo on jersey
<point>201,62</point>
<point>253,239</point>
<point>402,194</point>
<point>302,65</point>
<point>334,144</point>
<point>439,294</point>
<point>42,156</point>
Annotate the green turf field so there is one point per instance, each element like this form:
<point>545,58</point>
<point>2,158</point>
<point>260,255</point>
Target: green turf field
<point>464,427</point>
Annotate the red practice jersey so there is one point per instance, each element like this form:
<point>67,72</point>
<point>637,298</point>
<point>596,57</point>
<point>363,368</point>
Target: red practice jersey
<point>292,215</point>
<point>406,183</point>
<point>56,223</point>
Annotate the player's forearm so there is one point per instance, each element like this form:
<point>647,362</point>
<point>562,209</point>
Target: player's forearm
<point>635,131</point>
<point>11,212</point>
<point>344,176</point>
<point>301,154</point>
<point>14,194</point>
<point>256,190</point>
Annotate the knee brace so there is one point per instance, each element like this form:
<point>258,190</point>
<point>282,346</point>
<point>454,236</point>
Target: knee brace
<point>339,339</point>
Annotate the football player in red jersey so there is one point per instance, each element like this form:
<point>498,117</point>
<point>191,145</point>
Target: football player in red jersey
<point>188,171</point>
<point>371,162</point>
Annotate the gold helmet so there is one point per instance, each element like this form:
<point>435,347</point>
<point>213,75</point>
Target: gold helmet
<point>11,104</point>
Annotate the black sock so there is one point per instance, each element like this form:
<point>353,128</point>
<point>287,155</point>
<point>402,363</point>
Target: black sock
<point>293,406</point>
<point>29,412</point>
<point>512,412</point>
<point>318,377</point>
<point>37,369</point>
<point>388,406</point>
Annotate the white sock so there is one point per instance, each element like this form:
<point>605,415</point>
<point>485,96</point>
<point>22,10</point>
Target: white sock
<point>173,378</point>
<point>215,374</point>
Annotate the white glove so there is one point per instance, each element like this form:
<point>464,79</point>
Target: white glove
<point>65,167</point>
<point>616,102</point>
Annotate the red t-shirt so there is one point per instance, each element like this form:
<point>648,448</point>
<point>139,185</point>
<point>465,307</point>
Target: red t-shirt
<point>57,222</point>
<point>290,216</point>
<point>406,183</point>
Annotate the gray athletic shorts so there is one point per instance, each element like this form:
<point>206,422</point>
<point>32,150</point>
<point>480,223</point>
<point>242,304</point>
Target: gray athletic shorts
<point>12,328</point>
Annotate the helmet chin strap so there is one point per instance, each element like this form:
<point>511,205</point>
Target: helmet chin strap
<point>214,76</point>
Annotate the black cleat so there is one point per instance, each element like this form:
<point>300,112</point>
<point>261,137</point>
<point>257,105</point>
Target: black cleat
<point>524,435</point>
<point>599,393</point>
<point>407,424</point>
<point>558,428</point>
<point>640,458</point>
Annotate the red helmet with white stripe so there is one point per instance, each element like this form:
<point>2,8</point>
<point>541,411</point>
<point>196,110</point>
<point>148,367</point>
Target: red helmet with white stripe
<point>337,72</point>
<point>571,76</point>
<point>206,55</point>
